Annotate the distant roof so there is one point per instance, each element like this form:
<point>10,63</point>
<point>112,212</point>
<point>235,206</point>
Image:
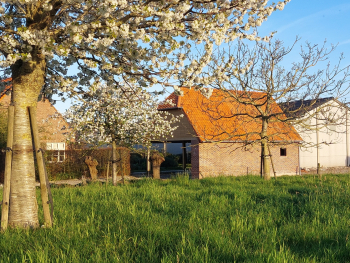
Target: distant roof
<point>221,118</point>
<point>298,108</point>
<point>175,102</point>
<point>7,88</point>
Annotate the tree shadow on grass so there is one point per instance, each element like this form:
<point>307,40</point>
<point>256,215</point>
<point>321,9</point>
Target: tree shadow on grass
<point>323,249</point>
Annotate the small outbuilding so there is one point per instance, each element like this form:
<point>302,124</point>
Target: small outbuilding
<point>223,142</point>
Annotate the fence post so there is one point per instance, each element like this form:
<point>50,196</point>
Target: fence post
<point>107,173</point>
<point>8,168</point>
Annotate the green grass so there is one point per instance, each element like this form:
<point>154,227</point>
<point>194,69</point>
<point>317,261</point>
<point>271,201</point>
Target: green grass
<point>224,219</point>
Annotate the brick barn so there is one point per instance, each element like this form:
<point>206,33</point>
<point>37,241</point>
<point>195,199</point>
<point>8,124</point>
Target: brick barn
<point>52,126</point>
<point>223,144</point>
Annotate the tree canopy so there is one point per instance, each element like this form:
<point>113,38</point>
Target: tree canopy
<point>138,41</point>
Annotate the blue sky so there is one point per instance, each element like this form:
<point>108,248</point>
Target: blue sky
<point>312,20</point>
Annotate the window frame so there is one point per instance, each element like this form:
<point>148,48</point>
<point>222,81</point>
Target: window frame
<point>57,152</point>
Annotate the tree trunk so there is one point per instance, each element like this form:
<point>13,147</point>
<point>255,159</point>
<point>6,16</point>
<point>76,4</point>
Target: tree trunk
<point>114,161</point>
<point>27,81</point>
<point>265,151</point>
<point>156,162</point>
<point>92,163</point>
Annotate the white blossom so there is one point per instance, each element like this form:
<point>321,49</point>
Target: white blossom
<point>102,37</point>
<point>128,113</point>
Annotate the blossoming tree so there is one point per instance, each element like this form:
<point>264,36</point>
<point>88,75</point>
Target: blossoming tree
<point>126,116</point>
<point>139,41</point>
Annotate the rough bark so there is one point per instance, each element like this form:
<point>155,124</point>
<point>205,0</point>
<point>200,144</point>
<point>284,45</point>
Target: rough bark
<point>92,163</point>
<point>156,162</point>
<point>27,81</point>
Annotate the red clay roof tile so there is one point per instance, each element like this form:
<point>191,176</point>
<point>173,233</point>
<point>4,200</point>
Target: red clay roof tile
<point>7,88</point>
<point>221,118</point>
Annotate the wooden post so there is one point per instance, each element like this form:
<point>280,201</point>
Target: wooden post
<point>273,167</point>
<point>8,168</point>
<point>44,185</point>
<point>109,157</point>
<point>48,190</point>
<point>164,148</point>
<point>107,173</point>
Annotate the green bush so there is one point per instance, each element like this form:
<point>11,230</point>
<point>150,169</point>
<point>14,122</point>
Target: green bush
<point>171,161</point>
<point>137,162</point>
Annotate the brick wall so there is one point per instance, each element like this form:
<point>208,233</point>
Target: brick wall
<point>286,165</point>
<point>215,159</point>
<point>52,127</point>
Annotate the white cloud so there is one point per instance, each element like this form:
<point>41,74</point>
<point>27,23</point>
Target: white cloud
<point>329,12</point>
<point>344,42</point>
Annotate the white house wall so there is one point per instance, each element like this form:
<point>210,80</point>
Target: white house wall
<point>332,147</point>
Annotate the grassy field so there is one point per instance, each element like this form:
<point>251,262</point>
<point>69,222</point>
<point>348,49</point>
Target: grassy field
<point>224,219</point>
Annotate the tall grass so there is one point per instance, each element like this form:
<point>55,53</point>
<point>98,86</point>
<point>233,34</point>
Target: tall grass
<point>224,219</point>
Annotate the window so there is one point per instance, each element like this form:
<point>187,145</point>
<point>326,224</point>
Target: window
<point>56,152</point>
<point>283,152</point>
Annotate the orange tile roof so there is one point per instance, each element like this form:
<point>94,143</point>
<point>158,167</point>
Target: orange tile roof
<point>7,88</point>
<point>221,118</point>
<point>175,100</point>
